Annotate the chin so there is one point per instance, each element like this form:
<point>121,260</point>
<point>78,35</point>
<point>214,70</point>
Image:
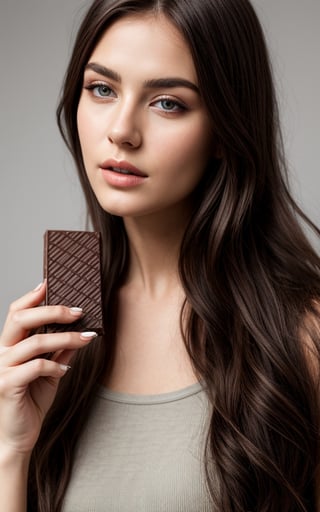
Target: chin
<point>120,210</point>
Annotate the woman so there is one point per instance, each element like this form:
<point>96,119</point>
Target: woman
<point>204,392</point>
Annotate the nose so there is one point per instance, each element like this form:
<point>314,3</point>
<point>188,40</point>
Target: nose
<point>124,129</point>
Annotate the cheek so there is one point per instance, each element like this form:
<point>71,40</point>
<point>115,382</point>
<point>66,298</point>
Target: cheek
<point>190,148</point>
<point>87,129</point>
<point>82,126</point>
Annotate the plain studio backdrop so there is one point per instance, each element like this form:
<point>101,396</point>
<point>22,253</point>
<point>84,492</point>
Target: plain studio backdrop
<point>39,188</point>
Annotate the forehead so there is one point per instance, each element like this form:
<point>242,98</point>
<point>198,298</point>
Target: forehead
<point>148,44</point>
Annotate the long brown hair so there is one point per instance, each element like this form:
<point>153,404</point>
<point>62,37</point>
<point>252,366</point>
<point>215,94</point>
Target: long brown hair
<point>251,278</point>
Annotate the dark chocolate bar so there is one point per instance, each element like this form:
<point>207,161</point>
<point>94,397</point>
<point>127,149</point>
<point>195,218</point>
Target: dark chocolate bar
<point>72,268</point>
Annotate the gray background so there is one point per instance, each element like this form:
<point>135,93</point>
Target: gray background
<point>38,185</point>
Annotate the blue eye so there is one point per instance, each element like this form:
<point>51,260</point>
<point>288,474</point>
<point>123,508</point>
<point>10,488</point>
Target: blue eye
<point>169,105</point>
<point>100,90</point>
<point>103,90</point>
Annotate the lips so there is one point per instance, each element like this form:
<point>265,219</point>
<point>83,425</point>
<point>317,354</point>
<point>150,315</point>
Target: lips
<point>122,167</point>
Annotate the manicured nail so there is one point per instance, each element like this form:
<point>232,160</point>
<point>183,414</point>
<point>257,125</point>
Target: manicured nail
<point>65,367</point>
<point>88,335</point>
<point>75,311</point>
<point>37,288</point>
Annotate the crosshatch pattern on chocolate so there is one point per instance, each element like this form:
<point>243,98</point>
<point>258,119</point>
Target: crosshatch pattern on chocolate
<point>72,267</point>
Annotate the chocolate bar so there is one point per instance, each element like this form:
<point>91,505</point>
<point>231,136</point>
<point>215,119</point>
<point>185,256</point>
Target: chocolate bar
<point>72,268</point>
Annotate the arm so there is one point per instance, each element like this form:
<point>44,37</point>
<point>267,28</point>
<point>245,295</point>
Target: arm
<point>28,385</point>
<point>13,481</point>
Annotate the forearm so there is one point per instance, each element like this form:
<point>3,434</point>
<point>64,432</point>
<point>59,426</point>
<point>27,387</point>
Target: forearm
<point>13,482</point>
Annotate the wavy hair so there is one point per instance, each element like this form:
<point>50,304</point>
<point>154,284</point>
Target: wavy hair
<point>251,277</point>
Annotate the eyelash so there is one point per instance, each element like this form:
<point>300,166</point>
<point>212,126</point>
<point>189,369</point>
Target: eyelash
<point>96,85</point>
<point>178,106</point>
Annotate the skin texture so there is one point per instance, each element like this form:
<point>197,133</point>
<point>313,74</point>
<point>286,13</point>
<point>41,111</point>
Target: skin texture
<point>28,384</point>
<point>166,133</point>
<point>143,125</point>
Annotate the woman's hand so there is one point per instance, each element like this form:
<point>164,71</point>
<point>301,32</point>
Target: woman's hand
<point>28,382</point>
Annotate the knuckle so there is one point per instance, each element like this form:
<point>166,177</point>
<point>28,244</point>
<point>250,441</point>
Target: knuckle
<point>69,338</point>
<point>35,339</point>
<point>15,316</point>
<point>60,311</point>
<point>39,364</point>
<point>13,307</point>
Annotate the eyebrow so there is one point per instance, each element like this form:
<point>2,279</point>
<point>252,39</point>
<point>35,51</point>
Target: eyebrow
<point>154,83</point>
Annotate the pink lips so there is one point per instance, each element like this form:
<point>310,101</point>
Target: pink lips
<point>122,165</point>
<point>121,174</point>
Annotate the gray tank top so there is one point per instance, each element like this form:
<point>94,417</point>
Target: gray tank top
<point>142,454</point>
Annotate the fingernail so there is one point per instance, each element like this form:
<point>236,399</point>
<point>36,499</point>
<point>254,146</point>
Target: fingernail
<point>88,335</point>
<point>75,311</point>
<point>37,288</point>
<point>65,367</point>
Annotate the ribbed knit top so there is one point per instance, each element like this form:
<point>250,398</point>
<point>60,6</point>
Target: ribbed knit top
<point>142,453</point>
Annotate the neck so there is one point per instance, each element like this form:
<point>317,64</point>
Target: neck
<point>154,247</point>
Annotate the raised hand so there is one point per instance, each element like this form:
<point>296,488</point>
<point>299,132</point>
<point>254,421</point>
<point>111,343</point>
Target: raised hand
<point>28,382</point>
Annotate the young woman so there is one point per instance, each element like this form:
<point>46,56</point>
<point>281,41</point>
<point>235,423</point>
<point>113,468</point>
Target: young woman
<point>203,395</point>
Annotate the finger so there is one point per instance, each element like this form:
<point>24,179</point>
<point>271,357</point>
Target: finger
<point>39,344</point>
<point>29,300</point>
<point>13,380</point>
<point>19,322</point>
<point>64,357</point>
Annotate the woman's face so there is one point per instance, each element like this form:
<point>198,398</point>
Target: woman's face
<point>145,134</point>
